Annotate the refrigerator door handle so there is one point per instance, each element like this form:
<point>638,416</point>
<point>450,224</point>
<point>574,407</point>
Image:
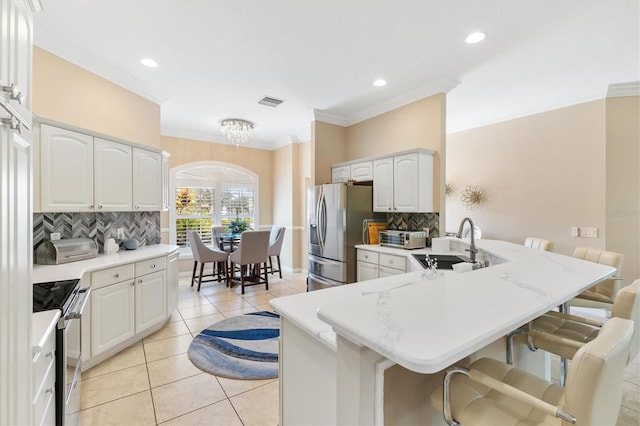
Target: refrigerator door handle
<point>322,221</point>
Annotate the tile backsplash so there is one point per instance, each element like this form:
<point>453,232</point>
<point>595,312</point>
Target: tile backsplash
<point>141,226</point>
<point>415,222</point>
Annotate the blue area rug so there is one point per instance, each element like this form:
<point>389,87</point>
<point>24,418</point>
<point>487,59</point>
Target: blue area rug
<point>242,347</point>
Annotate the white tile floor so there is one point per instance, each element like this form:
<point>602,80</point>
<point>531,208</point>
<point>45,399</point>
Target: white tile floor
<point>154,382</point>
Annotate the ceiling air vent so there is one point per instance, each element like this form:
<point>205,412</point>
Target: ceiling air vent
<point>270,102</point>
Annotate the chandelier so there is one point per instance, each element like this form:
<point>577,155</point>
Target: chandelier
<point>236,130</point>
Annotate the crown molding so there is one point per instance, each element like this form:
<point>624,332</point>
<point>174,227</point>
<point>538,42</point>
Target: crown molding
<point>212,137</point>
<point>442,85</point>
<point>618,90</point>
<point>319,115</point>
<point>64,49</point>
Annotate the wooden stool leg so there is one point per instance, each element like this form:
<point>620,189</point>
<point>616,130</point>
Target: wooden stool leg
<point>200,277</point>
<point>279,267</point>
<point>266,276</point>
<point>193,276</point>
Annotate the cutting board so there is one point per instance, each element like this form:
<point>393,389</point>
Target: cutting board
<point>373,228</point>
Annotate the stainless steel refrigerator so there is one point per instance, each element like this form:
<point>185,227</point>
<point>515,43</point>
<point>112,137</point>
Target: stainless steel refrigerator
<point>335,216</point>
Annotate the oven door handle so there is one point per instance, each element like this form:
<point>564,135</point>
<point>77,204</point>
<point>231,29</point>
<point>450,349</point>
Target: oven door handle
<point>77,313</point>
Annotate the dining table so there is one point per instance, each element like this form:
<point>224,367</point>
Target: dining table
<point>228,241</point>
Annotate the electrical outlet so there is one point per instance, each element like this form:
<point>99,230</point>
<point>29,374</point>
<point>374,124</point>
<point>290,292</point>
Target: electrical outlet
<point>55,236</point>
<point>586,232</point>
<point>120,233</point>
<point>575,233</point>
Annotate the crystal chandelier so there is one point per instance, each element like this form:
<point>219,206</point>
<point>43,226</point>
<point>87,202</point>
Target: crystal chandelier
<point>236,130</point>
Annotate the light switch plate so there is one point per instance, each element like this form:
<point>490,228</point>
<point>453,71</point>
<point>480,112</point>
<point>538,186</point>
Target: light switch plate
<point>575,233</point>
<point>55,236</point>
<point>587,232</point>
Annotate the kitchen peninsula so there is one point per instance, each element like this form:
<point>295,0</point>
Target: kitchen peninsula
<point>370,352</point>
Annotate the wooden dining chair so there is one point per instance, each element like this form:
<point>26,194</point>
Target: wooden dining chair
<point>202,255</point>
<point>251,258</point>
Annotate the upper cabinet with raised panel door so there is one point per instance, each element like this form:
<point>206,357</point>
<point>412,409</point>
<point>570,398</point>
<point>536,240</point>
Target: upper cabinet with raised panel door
<point>340,174</point>
<point>112,172</point>
<point>16,38</point>
<point>404,183</point>
<point>85,173</point>
<point>361,172</point>
<point>66,170</point>
<point>147,180</point>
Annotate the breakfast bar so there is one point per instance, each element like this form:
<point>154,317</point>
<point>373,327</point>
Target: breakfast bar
<point>373,350</point>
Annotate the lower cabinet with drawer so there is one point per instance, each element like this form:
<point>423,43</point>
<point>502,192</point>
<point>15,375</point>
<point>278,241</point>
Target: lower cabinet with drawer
<point>125,301</point>
<point>44,367</point>
<point>375,265</point>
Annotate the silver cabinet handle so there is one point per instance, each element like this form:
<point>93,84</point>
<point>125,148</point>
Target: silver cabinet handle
<point>133,282</point>
<point>100,206</point>
<point>49,355</point>
<point>140,281</point>
<point>14,93</point>
<point>91,206</point>
<point>116,275</point>
<point>13,125</point>
<point>153,266</point>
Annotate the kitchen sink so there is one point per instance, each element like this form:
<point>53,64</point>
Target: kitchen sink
<point>445,261</point>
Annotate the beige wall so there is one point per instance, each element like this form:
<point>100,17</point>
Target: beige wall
<point>68,94</point>
<point>543,174</point>
<point>623,182</point>
<point>329,146</point>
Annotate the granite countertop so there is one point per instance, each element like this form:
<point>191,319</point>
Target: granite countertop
<point>425,322</point>
<point>72,270</point>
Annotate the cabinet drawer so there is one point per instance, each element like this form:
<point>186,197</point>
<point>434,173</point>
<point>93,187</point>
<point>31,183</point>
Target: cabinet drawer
<point>111,276</point>
<point>387,272</point>
<point>44,400</point>
<point>367,256</point>
<point>393,261</point>
<point>145,267</point>
<point>44,363</point>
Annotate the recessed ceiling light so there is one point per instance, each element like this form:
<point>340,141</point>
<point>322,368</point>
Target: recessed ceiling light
<point>474,38</point>
<point>379,83</point>
<point>148,62</point>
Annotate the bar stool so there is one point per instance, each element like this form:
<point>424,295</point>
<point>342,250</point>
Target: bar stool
<point>251,256</point>
<point>203,254</point>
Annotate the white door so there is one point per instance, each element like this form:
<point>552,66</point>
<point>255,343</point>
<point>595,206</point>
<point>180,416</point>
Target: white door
<point>151,302</point>
<point>112,315</point>
<point>383,185</point>
<point>66,178</point>
<point>367,271</point>
<point>405,183</point>
<point>147,180</point>
<point>112,171</point>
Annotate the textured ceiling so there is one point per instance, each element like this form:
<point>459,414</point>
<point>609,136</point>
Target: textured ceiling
<point>217,58</point>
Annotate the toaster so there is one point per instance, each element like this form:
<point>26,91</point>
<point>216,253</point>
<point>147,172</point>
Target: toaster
<point>403,239</point>
<point>65,251</point>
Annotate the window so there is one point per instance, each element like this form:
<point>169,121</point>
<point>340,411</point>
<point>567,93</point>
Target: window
<point>211,194</point>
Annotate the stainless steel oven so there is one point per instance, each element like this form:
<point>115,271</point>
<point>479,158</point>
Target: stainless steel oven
<point>70,299</point>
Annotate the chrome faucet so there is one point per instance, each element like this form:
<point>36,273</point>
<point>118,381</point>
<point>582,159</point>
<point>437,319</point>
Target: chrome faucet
<point>472,248</point>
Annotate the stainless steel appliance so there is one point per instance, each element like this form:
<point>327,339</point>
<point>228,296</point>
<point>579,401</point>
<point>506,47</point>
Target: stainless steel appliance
<point>403,239</point>
<point>65,251</point>
<point>68,297</point>
<point>335,216</point>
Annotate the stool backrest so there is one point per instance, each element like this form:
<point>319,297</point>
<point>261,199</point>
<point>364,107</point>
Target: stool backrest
<point>610,287</point>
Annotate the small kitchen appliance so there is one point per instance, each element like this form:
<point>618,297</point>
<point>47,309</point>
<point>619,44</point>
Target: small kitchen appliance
<point>403,239</point>
<point>65,251</point>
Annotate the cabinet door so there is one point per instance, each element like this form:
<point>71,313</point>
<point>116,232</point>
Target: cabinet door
<point>112,316</point>
<point>112,171</point>
<point>367,271</point>
<point>172,282</point>
<point>147,180</point>
<point>340,174</point>
<point>361,172</point>
<point>15,52</point>
<point>383,185</point>
<point>405,183</point>
<point>66,178</point>
<point>151,302</point>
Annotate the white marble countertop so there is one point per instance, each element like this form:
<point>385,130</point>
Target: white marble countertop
<point>426,325</point>
<point>43,324</point>
<point>72,270</point>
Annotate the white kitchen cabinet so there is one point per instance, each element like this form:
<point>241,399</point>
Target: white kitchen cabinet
<point>373,265</point>
<point>44,329</point>
<point>16,39</point>
<point>340,174</point>
<point>147,180</point>
<point>383,185</point>
<point>165,180</point>
<point>66,174</point>
<point>112,315</point>
<point>112,176</point>
<point>361,172</point>
<point>127,300</point>
<point>403,183</point>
